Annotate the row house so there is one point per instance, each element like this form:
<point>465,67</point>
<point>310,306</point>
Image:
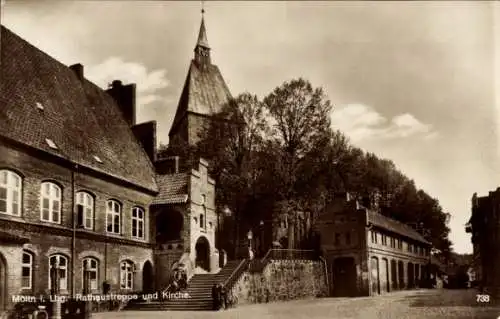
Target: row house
<point>368,253</point>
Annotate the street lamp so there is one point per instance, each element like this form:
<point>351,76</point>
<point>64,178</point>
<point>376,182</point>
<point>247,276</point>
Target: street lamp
<point>261,240</point>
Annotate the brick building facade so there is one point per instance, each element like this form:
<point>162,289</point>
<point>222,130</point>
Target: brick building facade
<point>80,184</point>
<point>368,253</point>
<point>484,227</point>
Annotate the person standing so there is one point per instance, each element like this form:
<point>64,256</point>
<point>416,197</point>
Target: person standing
<point>215,297</point>
<point>223,293</point>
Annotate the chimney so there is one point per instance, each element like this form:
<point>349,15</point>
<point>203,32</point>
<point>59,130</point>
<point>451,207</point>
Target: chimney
<point>78,69</point>
<point>146,135</point>
<point>124,96</point>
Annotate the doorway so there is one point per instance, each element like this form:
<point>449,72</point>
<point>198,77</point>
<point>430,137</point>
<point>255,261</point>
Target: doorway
<point>344,277</point>
<point>147,277</point>
<point>375,281</point>
<point>202,248</point>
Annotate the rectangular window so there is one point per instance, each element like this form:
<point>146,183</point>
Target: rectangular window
<point>374,237</point>
<point>50,205</point>
<point>137,223</point>
<point>3,199</point>
<point>113,217</point>
<point>26,271</point>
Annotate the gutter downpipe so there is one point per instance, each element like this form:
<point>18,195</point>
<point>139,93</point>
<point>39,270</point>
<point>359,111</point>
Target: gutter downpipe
<point>73,239</point>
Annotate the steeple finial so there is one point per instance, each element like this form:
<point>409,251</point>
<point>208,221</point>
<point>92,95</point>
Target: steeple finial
<point>202,49</point>
<point>202,36</point>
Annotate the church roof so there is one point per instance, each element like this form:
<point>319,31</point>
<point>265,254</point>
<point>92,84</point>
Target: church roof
<point>202,36</point>
<point>44,105</point>
<point>173,189</point>
<point>205,92</point>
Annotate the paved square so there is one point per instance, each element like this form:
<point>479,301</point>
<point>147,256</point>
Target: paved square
<point>434,304</point>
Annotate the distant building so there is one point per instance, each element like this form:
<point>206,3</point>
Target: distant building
<point>484,227</point>
<point>368,253</point>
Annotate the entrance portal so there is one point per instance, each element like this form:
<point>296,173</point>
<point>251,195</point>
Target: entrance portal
<point>411,276</point>
<point>384,276</point>
<point>202,253</point>
<point>344,277</point>
<point>147,277</point>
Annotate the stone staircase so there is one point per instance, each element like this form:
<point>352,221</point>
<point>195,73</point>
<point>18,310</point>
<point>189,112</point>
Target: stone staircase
<point>199,291</point>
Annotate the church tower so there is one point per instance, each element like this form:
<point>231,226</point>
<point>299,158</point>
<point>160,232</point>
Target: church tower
<point>204,94</point>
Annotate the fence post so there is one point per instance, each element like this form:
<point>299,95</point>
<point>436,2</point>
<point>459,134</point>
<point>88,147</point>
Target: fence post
<point>87,311</point>
<point>56,299</point>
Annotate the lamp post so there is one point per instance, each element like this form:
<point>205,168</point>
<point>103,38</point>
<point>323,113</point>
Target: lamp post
<point>261,246</point>
<point>226,213</point>
<point>250,237</point>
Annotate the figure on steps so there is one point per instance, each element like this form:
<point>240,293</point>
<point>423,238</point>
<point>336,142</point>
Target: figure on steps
<point>215,296</point>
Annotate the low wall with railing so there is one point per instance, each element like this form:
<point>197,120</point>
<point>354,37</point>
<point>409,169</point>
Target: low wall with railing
<point>270,279</point>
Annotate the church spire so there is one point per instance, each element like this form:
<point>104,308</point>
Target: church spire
<point>202,49</point>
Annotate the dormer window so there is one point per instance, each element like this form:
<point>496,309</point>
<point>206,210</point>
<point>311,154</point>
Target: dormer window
<point>97,159</point>
<point>51,143</point>
<point>39,105</point>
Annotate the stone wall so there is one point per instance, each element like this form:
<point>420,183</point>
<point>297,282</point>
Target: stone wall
<point>281,280</point>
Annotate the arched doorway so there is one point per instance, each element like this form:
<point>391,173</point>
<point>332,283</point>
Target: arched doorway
<point>147,277</point>
<point>344,277</point>
<point>384,276</point>
<point>394,275</point>
<point>375,284</point>
<point>401,275</point>
<point>202,248</point>
<point>3,283</point>
<point>411,275</point>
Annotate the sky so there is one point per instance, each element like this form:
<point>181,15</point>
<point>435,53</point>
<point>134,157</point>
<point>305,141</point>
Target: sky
<point>413,82</point>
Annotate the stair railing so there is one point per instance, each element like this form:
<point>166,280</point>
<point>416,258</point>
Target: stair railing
<point>235,275</point>
<point>258,265</point>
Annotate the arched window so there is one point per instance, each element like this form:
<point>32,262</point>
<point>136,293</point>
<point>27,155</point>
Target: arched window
<point>138,222</point>
<point>63,271</point>
<point>85,207</point>
<point>93,269</point>
<point>50,203</point>
<point>10,193</point>
<point>126,275</point>
<point>27,270</point>
<point>113,214</point>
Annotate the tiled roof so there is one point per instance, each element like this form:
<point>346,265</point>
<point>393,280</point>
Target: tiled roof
<point>40,98</point>
<point>204,92</point>
<point>173,189</point>
<point>394,226</point>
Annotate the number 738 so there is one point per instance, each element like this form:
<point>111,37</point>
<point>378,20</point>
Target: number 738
<point>482,298</point>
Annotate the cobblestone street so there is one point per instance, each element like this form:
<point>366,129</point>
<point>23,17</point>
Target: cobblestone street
<point>399,305</point>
